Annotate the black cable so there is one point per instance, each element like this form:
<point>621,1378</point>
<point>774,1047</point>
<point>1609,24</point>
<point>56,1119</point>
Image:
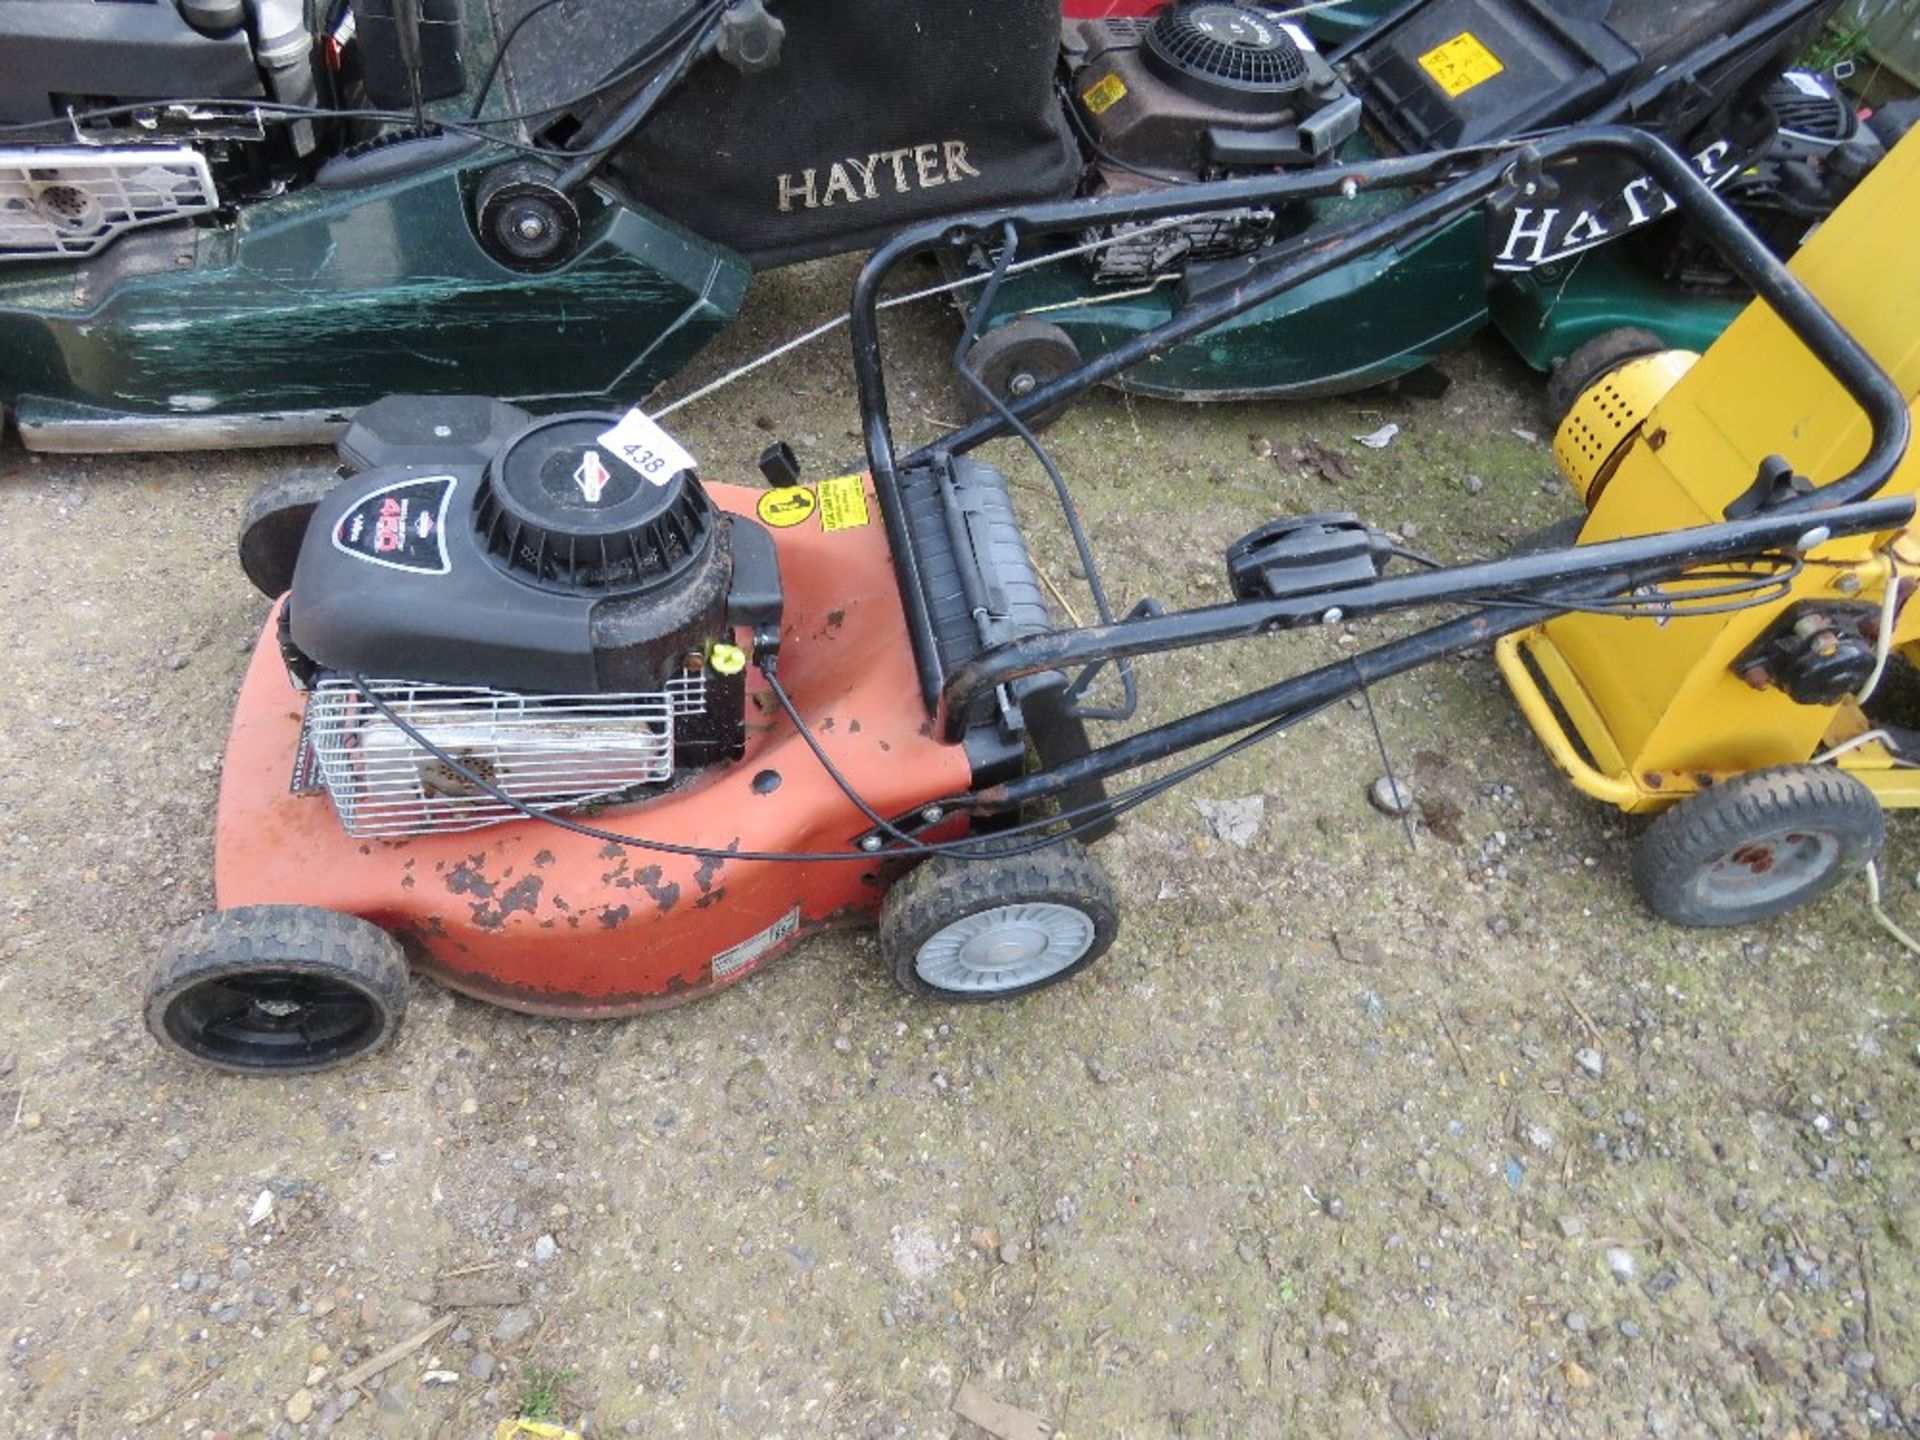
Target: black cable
<point>1097,813</point>
<point>639,60</point>
<point>976,317</point>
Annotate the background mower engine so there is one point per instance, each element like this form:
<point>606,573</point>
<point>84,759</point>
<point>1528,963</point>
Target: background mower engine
<point>1196,92</point>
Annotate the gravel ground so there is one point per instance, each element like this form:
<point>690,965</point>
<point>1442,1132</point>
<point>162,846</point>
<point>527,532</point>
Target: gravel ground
<point>1342,1138</point>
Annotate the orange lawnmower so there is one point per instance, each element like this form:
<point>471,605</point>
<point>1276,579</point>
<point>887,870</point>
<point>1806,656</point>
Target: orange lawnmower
<point>577,734</point>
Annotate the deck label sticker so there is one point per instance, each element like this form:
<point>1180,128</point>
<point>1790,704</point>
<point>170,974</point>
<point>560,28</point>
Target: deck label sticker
<point>648,450</point>
<point>785,506</point>
<point>401,526</point>
<point>843,503</point>
<point>732,961</point>
<point>1103,95</point>
<point>1460,64</point>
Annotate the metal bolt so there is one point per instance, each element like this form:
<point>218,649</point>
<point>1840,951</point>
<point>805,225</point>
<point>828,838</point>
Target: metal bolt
<point>870,844</point>
<point>1023,384</point>
<point>531,227</point>
<point>1848,584</point>
<point>933,814</point>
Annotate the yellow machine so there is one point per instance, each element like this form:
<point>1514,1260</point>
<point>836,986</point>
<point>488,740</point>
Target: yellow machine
<point>1769,737</point>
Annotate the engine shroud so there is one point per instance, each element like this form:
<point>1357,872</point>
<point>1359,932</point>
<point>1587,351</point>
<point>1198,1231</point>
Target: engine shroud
<point>551,567</point>
<point>1206,87</point>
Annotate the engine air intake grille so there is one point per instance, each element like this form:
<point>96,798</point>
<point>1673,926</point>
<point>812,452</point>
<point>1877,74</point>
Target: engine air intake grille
<point>1233,46</point>
<point>61,204</point>
<point>550,752</point>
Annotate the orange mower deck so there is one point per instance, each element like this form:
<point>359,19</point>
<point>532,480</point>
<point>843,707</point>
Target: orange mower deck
<point>538,919</point>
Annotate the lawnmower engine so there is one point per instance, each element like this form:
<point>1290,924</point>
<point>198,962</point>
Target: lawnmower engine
<point>107,103</point>
<point>538,615</point>
<point>1197,92</point>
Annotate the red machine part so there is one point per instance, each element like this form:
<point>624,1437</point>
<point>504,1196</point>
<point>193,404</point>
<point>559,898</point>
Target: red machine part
<point>539,919</point>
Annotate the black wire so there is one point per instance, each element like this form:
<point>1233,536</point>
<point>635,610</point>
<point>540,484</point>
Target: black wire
<point>1097,814</point>
<point>646,55</point>
<point>976,317</point>
<point>1102,153</point>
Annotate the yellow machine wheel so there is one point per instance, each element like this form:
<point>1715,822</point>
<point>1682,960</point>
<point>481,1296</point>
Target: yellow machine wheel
<point>1757,845</point>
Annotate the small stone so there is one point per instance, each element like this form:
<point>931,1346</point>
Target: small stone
<point>1539,1137</point>
<point>1572,1227</point>
<point>300,1406</point>
<point>512,1324</point>
<point>1629,1330</point>
<point>545,1248</point>
<point>480,1366</point>
<point>986,1239</point>
<point>842,1044</point>
<point>1009,1253</point>
<point>1391,796</point>
<point>439,1377</point>
<point>315,1375</point>
<point>1591,1061</point>
<point>1663,1282</point>
<point>1578,1376</point>
<point>1335,1207</point>
<point>240,1268</point>
<point>1620,1261</point>
<point>190,1282</point>
<point>1576,1322</point>
<point>30,1120</point>
<point>1474,485</point>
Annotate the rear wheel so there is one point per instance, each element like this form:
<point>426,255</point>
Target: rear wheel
<point>277,989</point>
<point>275,523</point>
<point>1016,360</point>
<point>989,929</point>
<point>1757,845</point>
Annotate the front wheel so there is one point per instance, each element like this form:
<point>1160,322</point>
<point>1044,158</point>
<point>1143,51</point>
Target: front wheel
<point>277,989</point>
<point>990,929</point>
<point>1757,845</point>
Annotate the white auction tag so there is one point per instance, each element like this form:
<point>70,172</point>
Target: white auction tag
<point>655,455</point>
<point>1807,84</point>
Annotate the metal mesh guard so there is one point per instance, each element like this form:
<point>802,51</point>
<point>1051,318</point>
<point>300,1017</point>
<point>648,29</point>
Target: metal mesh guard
<point>550,752</point>
<point>69,202</point>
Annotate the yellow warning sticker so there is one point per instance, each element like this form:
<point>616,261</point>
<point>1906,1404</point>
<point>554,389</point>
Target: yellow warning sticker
<point>1103,95</point>
<point>788,505</point>
<point>1460,64</point>
<point>843,503</point>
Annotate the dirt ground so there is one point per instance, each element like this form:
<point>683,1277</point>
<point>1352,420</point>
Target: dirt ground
<point>1341,1139</point>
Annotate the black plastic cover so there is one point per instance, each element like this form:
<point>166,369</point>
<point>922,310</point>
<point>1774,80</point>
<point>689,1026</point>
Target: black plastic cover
<point>53,52</point>
<point>382,58</point>
<point>431,430</point>
<point>1305,555</point>
<point>394,581</point>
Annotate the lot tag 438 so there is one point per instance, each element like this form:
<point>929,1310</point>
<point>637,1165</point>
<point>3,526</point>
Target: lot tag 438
<point>652,453</point>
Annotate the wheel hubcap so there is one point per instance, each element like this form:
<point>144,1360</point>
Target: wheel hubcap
<point>1770,868</point>
<point>1007,947</point>
<point>274,1019</point>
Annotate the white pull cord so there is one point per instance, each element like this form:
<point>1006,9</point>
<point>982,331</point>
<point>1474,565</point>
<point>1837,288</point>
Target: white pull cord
<point>1171,223</point>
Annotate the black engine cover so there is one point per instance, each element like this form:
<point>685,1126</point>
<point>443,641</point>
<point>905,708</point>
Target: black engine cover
<point>411,572</point>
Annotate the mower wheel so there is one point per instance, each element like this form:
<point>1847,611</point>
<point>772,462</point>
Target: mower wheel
<point>1757,845</point>
<point>1584,365</point>
<point>277,989</point>
<point>1016,360</point>
<point>990,929</point>
<point>275,523</point>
